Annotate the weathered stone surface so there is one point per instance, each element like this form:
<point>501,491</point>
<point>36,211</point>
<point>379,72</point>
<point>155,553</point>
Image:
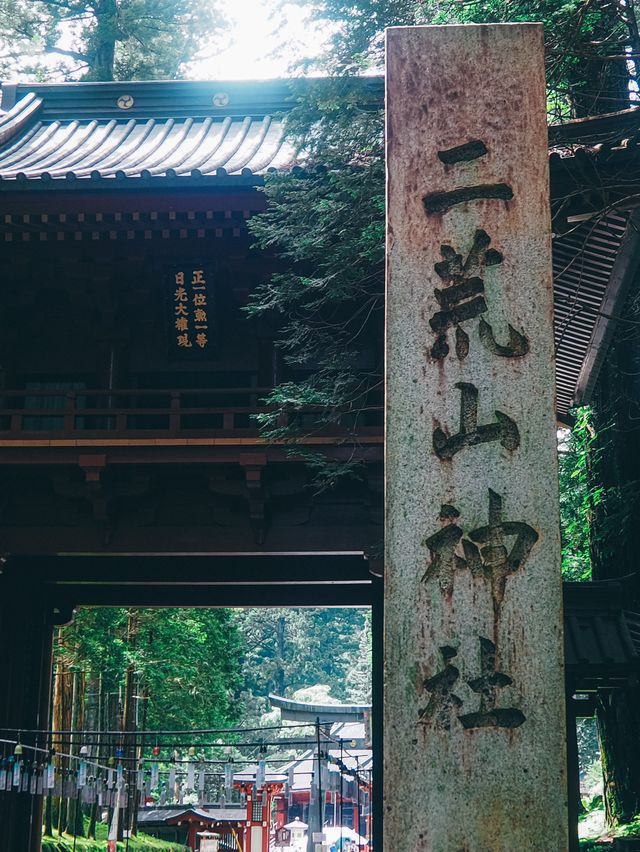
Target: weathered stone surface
<point>474,689</point>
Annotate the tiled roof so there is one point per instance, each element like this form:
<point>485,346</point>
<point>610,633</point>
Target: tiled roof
<point>601,632</point>
<point>161,815</point>
<point>595,183</point>
<point>583,260</point>
<point>119,131</point>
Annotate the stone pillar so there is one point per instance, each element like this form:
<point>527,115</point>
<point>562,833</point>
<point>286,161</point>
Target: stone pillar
<point>474,689</point>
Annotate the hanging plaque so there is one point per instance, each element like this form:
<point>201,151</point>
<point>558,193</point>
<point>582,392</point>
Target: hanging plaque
<point>190,309</point>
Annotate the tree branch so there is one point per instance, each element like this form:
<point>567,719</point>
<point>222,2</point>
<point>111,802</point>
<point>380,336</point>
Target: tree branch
<point>72,54</point>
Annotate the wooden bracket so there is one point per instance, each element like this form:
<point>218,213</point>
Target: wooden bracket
<point>254,465</point>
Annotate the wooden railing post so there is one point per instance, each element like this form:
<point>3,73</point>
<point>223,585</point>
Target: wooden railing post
<point>174,417</point>
<point>95,413</point>
<point>70,412</point>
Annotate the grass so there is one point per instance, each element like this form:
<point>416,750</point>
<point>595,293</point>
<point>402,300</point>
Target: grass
<point>141,843</point>
<point>603,842</point>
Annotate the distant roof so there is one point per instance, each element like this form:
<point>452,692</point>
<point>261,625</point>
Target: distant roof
<point>272,776</point>
<point>169,813</point>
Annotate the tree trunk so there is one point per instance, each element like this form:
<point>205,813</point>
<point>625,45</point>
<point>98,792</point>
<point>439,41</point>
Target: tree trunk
<point>280,680</point>
<point>62,702</point>
<point>615,467</point>
<point>618,726</point>
<point>102,47</point>
<point>75,825</point>
<point>48,816</point>
<point>93,820</point>
<point>129,716</point>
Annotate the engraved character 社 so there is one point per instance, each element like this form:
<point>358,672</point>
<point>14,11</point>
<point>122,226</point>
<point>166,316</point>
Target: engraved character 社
<point>443,701</point>
<point>487,686</point>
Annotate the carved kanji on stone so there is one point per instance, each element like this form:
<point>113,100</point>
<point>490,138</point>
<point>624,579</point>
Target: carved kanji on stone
<point>439,202</point>
<point>485,550</point>
<point>443,544</point>
<point>487,686</point>
<point>503,429</point>
<point>463,298</point>
<point>497,561</point>
<point>443,702</point>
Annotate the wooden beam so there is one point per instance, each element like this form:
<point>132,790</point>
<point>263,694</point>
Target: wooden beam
<point>254,569</point>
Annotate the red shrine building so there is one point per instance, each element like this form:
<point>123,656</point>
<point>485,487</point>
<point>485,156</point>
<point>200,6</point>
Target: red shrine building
<point>133,471</point>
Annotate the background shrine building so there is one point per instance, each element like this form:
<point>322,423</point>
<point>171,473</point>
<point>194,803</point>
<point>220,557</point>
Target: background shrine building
<point>132,471</point>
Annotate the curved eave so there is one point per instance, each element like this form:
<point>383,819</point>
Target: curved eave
<point>220,180</point>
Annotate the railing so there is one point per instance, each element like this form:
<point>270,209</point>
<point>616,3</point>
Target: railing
<point>115,413</point>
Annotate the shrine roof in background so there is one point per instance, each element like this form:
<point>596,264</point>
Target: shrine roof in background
<point>602,633</point>
<point>81,139</point>
<point>595,192</point>
<point>169,815</point>
<point>105,134</point>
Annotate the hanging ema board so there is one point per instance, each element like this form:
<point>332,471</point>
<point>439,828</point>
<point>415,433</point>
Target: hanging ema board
<point>474,686</point>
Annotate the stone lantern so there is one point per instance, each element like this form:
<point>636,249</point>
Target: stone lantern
<point>209,841</point>
<point>298,831</point>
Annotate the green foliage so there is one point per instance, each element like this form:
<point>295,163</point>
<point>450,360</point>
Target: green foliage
<point>326,223</point>
<point>214,668</point>
<point>291,649</point>
<point>589,748</point>
<point>104,39</point>
<point>585,40</point>
<point>577,496</point>
<point>358,679</point>
<point>628,829</point>
<point>185,660</point>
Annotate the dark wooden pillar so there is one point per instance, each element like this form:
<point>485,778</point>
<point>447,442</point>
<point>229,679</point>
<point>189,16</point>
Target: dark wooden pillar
<point>573,773</point>
<point>377,683</point>
<point>26,643</point>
